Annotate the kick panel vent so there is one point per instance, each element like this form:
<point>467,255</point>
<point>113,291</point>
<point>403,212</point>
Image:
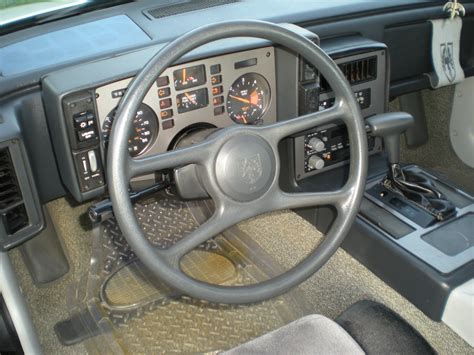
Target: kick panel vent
<point>356,72</point>
<point>183,7</point>
<point>12,209</point>
<point>10,192</point>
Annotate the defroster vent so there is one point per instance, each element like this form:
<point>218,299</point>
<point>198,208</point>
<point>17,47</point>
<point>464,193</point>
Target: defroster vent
<point>186,6</point>
<point>356,72</point>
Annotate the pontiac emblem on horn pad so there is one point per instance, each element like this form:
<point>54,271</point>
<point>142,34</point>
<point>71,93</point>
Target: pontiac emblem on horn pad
<point>447,60</point>
<point>250,169</point>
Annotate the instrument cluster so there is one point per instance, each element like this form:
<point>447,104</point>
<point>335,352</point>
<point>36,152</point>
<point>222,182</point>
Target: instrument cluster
<point>237,88</point>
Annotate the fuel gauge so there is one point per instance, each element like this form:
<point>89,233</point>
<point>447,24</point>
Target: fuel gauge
<point>189,77</point>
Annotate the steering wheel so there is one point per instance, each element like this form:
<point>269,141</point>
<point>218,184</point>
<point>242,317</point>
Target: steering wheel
<point>220,161</point>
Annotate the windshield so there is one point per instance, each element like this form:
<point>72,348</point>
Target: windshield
<point>15,10</point>
<point>15,14</point>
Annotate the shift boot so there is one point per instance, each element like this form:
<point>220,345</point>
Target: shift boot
<point>420,190</point>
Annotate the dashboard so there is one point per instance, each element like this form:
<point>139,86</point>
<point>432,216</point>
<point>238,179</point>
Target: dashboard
<point>257,85</point>
<point>89,86</point>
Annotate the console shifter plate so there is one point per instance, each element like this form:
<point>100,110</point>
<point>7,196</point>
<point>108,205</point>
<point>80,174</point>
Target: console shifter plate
<point>436,244</point>
<point>402,205</point>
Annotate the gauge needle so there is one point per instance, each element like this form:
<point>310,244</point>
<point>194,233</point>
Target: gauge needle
<point>190,98</point>
<point>240,99</point>
<point>242,118</point>
<point>254,98</point>
<point>184,75</point>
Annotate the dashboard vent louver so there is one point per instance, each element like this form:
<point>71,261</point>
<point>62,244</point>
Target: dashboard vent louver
<point>356,72</point>
<point>9,189</point>
<point>12,210</point>
<point>188,6</point>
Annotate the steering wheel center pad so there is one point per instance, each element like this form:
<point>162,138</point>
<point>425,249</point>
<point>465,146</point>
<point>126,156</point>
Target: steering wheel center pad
<point>245,167</point>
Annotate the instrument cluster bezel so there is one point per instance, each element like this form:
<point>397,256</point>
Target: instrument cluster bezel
<point>265,65</point>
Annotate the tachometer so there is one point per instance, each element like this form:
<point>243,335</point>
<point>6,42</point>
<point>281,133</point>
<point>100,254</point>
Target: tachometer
<point>248,99</point>
<point>142,133</point>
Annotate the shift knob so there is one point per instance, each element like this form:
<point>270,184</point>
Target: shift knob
<point>390,126</point>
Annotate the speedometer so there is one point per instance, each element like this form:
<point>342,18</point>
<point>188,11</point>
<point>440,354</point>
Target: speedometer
<point>142,133</point>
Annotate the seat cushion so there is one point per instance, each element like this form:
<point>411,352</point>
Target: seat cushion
<point>379,330</point>
<point>314,334</point>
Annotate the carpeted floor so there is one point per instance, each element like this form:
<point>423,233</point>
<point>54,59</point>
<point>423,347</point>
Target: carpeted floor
<point>286,236</point>
<point>438,154</point>
<point>50,304</point>
<point>343,280</point>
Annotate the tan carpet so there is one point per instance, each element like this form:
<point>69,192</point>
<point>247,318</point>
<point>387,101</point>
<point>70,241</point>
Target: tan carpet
<point>343,280</point>
<point>49,304</point>
<point>438,154</point>
<point>285,235</point>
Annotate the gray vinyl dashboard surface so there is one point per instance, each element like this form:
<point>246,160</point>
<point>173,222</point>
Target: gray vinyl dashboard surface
<point>93,74</point>
<point>307,13</point>
<point>76,42</point>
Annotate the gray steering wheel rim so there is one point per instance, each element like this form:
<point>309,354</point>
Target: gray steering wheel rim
<point>120,172</point>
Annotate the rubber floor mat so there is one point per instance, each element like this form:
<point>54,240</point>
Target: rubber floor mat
<point>128,310</point>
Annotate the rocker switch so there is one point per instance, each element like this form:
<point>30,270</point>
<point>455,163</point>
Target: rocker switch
<point>84,166</point>
<point>92,160</point>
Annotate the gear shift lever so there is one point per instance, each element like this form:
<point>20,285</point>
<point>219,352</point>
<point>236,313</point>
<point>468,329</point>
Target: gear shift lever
<point>390,126</point>
<point>415,187</point>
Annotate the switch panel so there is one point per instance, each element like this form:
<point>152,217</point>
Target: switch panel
<point>82,124</point>
<point>89,169</point>
<point>81,121</point>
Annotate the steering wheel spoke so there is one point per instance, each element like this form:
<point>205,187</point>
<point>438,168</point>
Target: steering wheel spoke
<point>280,130</point>
<point>336,198</point>
<point>195,154</point>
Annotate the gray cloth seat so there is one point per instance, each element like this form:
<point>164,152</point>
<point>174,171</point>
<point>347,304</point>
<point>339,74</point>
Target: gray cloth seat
<point>314,334</point>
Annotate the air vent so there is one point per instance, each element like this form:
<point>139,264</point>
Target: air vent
<point>12,209</point>
<point>188,6</point>
<point>10,192</point>
<point>356,72</point>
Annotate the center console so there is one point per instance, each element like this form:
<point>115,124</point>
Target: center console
<point>414,229</point>
<point>443,245</point>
